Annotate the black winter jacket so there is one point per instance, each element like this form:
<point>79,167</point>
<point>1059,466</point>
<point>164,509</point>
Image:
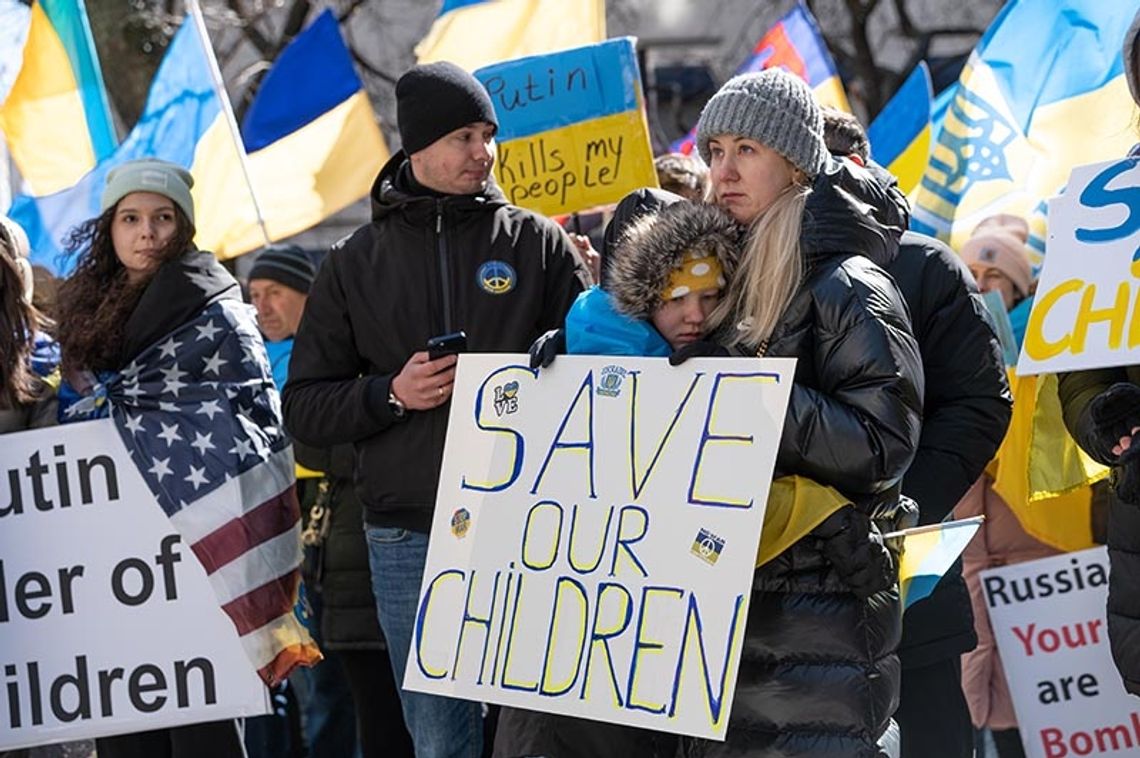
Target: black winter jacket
<point>1077,391</point>
<point>426,265</point>
<point>965,413</point>
<point>818,674</point>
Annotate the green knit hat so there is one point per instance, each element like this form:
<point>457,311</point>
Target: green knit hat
<point>773,107</point>
<point>150,175</point>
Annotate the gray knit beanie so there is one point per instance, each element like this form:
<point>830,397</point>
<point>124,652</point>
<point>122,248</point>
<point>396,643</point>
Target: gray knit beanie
<point>150,175</point>
<point>773,107</point>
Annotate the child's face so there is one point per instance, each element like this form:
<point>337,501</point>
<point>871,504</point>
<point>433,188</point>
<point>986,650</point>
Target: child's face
<point>681,320</point>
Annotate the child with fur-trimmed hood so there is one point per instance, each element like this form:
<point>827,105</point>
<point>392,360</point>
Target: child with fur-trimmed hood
<point>664,277</point>
<point>666,264</point>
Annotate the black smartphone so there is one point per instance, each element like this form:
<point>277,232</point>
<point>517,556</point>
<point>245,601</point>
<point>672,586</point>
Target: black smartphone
<point>446,344</point>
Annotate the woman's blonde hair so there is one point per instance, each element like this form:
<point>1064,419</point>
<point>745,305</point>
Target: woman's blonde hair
<point>771,270</point>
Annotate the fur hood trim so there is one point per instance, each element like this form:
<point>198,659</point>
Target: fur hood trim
<point>654,245</point>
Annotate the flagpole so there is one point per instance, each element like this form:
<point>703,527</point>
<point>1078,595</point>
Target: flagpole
<point>227,109</point>
<point>935,527</point>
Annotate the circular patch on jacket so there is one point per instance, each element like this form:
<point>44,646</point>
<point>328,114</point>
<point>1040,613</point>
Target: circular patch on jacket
<point>496,277</point>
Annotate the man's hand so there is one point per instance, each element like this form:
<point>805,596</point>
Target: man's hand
<point>424,384</point>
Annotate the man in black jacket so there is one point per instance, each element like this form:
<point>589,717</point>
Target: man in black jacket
<point>444,252</point>
<point>966,410</point>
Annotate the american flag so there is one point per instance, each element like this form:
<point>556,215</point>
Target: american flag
<point>201,418</point>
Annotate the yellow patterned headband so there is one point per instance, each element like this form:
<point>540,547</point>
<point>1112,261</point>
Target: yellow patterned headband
<point>696,273</point>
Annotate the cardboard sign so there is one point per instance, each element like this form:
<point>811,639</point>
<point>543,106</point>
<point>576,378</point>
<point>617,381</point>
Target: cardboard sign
<point>595,536</point>
<point>1048,618</point>
<point>108,624</point>
<point>572,127</point>
<point>1084,313</point>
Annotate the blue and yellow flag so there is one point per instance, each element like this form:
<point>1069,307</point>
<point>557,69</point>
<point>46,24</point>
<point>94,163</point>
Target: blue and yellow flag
<point>796,44</point>
<point>314,141</point>
<point>55,119</point>
<point>900,134</point>
<point>1039,470</point>
<point>572,127</point>
<point>476,33</point>
<point>928,552</point>
<point>1043,91</point>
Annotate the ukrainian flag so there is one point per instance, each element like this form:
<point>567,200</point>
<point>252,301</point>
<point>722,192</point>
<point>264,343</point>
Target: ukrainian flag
<point>900,134</point>
<point>55,119</point>
<point>476,33</point>
<point>315,148</point>
<point>1043,91</point>
<point>928,552</point>
<point>795,43</point>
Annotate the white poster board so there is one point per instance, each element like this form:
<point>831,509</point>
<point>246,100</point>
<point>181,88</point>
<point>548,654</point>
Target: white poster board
<point>1048,618</point>
<point>1085,310</point>
<point>595,536</point>
<point>108,624</point>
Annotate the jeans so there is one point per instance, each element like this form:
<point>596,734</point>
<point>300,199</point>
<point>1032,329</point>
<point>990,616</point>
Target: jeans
<point>441,727</point>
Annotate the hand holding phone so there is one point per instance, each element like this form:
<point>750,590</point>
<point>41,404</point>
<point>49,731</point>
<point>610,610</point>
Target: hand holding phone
<point>447,344</point>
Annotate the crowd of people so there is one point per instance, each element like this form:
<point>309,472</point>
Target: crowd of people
<point>784,240</point>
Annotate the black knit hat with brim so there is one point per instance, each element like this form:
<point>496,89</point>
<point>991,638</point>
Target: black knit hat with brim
<point>285,264</point>
<point>435,99</point>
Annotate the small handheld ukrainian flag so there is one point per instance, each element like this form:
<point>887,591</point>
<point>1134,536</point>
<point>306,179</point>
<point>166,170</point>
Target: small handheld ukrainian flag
<point>928,552</point>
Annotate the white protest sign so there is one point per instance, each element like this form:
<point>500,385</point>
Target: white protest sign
<point>1048,619</point>
<point>108,624</point>
<point>595,536</point>
<point>1085,311</point>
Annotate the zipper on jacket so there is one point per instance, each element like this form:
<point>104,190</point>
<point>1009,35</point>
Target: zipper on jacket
<point>444,273</point>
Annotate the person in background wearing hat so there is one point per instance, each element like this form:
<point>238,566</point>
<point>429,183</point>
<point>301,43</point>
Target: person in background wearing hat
<point>818,674</point>
<point>279,285</point>
<point>1102,411</point>
<point>997,256</point>
<point>137,279</point>
<point>444,253</point>
<point>965,413</point>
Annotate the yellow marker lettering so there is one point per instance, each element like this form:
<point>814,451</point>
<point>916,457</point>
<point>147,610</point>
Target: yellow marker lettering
<point>575,589</point>
<point>1037,346</point>
<point>1115,315</point>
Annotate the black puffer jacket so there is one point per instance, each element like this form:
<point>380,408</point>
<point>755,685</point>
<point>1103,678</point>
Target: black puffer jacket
<point>819,675</point>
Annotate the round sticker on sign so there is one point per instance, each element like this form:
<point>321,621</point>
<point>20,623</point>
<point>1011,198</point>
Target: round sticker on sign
<point>496,277</point>
<point>460,522</point>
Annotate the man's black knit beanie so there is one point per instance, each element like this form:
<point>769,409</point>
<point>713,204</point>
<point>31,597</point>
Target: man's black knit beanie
<point>434,99</point>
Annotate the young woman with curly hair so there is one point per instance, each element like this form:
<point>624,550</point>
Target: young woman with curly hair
<point>138,279</point>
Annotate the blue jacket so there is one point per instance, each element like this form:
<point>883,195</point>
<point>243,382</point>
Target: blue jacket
<point>594,327</point>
